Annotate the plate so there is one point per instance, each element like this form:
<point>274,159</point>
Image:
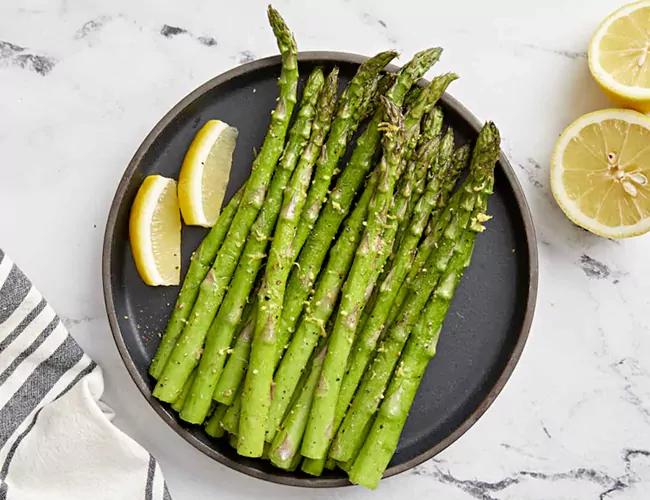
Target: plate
<point>486,327</point>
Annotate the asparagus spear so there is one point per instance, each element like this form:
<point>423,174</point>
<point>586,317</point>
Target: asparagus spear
<point>227,385</point>
<point>313,467</point>
<point>361,281</point>
<point>223,327</point>
<point>431,127</point>
<point>177,405</point>
<point>352,107</point>
<point>232,440</point>
<point>357,287</point>
<point>188,350</point>
<point>368,337</point>
<point>213,424</point>
<point>370,393</point>
<point>426,154</point>
<point>430,242</point>
<point>235,369</point>
<point>432,124</point>
<point>286,244</point>
<point>385,83</point>
<point>200,263</point>
<point>286,444</point>
<point>316,317</point>
<point>411,97</point>
<point>384,434</point>
<point>318,311</point>
<point>230,421</point>
<point>313,254</point>
<point>409,189</point>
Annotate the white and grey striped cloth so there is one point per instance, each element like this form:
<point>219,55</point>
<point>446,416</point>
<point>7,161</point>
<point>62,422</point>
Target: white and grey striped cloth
<point>56,438</point>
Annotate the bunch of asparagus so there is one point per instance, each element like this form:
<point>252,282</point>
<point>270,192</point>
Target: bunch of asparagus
<point>313,306</point>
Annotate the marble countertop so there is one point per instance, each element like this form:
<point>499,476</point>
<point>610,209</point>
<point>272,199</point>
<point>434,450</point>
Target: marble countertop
<point>83,82</point>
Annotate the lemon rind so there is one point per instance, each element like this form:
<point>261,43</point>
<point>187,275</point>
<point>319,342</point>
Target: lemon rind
<point>603,77</point>
<point>144,209</point>
<point>190,179</point>
<point>568,206</point>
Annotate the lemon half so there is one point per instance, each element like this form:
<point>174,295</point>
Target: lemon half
<point>155,231</point>
<point>600,171</point>
<point>205,173</point>
<point>619,56</point>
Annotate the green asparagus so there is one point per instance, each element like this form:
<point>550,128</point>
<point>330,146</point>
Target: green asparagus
<point>312,256</point>
<point>370,393</point>
<point>384,83</point>
<point>177,405</point>
<point>188,350</point>
<point>367,339</point>
<point>223,327</point>
<point>431,128</point>
<point>286,444</point>
<point>213,426</point>
<point>313,467</point>
<point>363,275</point>
<point>235,369</point>
<point>430,242</point>
<point>411,97</point>
<point>200,263</point>
<point>383,437</point>
<point>286,244</point>
<point>319,310</point>
<point>352,106</point>
<point>357,287</point>
<point>408,185</point>
<point>230,421</point>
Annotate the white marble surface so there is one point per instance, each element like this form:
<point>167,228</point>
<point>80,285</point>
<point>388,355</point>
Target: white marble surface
<point>95,76</point>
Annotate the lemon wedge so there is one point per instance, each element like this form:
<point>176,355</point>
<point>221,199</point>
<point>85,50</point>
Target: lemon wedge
<point>155,231</point>
<point>619,56</point>
<point>205,173</point>
<point>600,171</point>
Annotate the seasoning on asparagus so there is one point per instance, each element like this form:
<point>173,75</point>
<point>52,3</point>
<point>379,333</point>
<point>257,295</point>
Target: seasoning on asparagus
<point>286,444</point>
<point>187,352</point>
<point>432,236</point>
<point>381,442</point>
<point>352,107</point>
<point>368,337</point>
<point>177,405</point>
<point>397,210</point>
<point>360,282</point>
<point>223,327</point>
<point>234,371</point>
<point>338,205</point>
<point>317,246</point>
<point>356,288</point>
<point>431,128</point>
<point>256,396</point>
<point>230,421</point>
<point>213,426</point>
<point>318,311</point>
<point>371,390</point>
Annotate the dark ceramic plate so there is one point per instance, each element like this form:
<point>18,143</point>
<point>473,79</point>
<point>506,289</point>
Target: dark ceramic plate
<point>483,335</point>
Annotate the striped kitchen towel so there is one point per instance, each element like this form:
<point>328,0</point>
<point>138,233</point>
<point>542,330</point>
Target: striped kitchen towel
<point>56,438</point>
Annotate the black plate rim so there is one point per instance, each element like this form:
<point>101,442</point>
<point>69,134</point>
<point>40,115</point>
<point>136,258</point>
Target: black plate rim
<point>316,482</point>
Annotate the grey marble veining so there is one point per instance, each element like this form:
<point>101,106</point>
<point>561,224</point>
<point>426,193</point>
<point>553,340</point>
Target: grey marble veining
<point>82,83</point>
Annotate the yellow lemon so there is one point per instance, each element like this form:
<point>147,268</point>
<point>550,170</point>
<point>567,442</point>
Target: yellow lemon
<point>205,173</point>
<point>619,56</point>
<point>600,171</point>
<point>155,231</point>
